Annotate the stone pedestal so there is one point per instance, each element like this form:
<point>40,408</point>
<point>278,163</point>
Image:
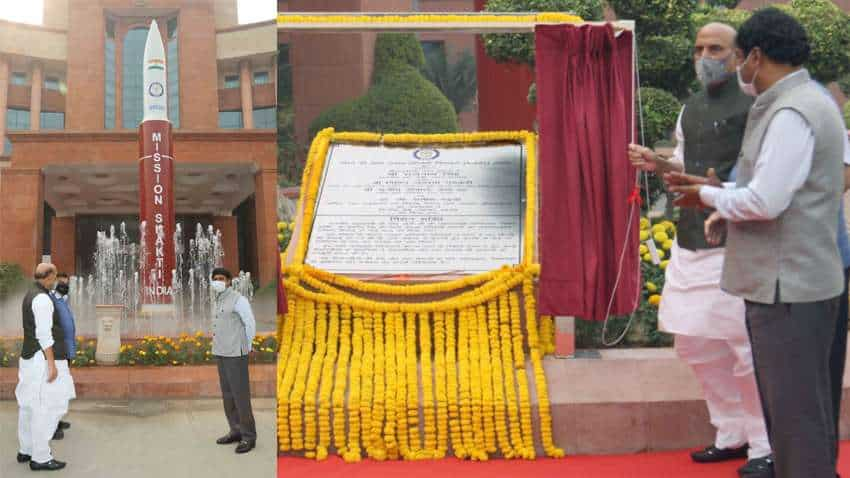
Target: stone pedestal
<point>159,319</point>
<point>108,319</point>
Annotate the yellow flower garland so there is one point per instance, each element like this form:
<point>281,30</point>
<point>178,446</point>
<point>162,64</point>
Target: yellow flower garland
<point>541,18</point>
<point>352,364</point>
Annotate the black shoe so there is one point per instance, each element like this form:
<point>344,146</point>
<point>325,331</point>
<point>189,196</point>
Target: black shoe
<point>58,434</point>
<point>245,446</point>
<point>24,458</point>
<point>757,468</point>
<point>712,454</point>
<point>228,439</point>
<point>64,425</point>
<point>51,465</point>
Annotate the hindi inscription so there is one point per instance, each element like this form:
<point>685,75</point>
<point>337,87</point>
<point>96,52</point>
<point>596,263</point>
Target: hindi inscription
<point>419,210</point>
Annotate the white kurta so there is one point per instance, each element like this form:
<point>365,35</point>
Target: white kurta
<point>692,302</point>
<point>41,404</point>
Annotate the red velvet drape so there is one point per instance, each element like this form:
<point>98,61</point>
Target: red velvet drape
<point>585,115</point>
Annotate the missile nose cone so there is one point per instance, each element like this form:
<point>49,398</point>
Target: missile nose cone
<point>154,78</point>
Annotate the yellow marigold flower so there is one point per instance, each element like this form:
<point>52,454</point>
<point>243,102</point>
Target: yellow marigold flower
<point>292,226</point>
<point>660,237</point>
<point>281,226</point>
<point>642,249</point>
<point>668,244</point>
<point>655,299</point>
<point>280,238</point>
<point>644,235</point>
<point>644,223</point>
<point>660,253</point>
<point>647,257</point>
<point>650,286</point>
<point>663,265</point>
<point>658,228</point>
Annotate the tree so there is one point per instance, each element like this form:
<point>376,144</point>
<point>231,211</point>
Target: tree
<point>705,15</point>
<point>847,115</point>
<point>519,47</point>
<point>844,84</point>
<point>400,99</point>
<point>723,3</point>
<point>458,80</point>
<point>657,17</point>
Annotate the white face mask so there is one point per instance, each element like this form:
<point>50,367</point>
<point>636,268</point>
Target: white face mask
<point>218,286</point>
<point>747,88</point>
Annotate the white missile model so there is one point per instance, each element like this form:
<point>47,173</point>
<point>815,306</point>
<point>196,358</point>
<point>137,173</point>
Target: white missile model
<point>155,99</point>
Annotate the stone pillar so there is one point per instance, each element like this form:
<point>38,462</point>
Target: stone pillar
<point>4,90</point>
<point>63,244</point>
<point>246,86</point>
<point>565,336</point>
<point>265,193</point>
<point>35,96</point>
<point>229,241</point>
<point>22,217</point>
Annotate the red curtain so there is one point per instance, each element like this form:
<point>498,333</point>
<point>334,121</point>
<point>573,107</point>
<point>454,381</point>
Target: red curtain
<point>585,116</point>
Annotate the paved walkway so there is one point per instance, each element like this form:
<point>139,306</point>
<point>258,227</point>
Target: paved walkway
<point>146,439</point>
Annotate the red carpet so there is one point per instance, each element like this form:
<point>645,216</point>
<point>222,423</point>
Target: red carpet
<point>643,465</point>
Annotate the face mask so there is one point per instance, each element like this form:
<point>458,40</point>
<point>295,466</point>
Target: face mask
<point>711,71</point>
<point>747,88</point>
<point>62,289</point>
<point>218,286</point>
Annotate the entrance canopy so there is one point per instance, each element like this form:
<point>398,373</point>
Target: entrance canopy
<point>215,189</point>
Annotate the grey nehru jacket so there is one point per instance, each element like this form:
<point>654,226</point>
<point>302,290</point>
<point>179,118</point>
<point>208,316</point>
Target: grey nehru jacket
<point>230,338</point>
<point>796,251</point>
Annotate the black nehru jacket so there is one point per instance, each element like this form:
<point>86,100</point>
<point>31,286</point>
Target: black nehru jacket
<point>31,345</point>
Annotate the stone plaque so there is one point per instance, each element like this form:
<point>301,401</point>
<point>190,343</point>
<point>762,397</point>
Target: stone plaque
<point>385,210</point>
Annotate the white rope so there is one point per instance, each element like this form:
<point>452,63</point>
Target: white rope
<point>638,175</point>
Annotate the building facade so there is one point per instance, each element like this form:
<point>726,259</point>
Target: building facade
<point>70,106</point>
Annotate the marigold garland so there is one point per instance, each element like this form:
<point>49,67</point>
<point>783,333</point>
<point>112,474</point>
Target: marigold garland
<point>541,18</point>
<point>359,359</point>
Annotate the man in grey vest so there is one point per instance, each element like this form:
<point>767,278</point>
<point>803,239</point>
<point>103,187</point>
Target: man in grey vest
<point>234,329</point>
<point>781,251</point>
<point>711,336</point>
<point>44,381</point>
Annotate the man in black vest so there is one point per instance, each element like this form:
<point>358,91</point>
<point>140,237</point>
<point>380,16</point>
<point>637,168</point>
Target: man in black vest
<point>44,382</point>
<point>709,324</point>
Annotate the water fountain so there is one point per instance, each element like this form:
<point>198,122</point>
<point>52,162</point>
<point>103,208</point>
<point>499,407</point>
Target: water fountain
<point>119,266</point>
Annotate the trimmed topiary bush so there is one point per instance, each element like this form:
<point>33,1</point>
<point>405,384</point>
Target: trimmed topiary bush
<point>660,111</point>
<point>666,63</point>
<point>733,17</point>
<point>828,28</point>
<point>400,100</point>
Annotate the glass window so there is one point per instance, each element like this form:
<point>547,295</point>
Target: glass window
<point>231,81</point>
<point>230,119</point>
<point>265,118</point>
<point>51,83</point>
<point>109,77</point>
<point>52,120</point>
<point>261,77</point>
<point>19,78</point>
<point>17,119</point>
<point>7,147</point>
<point>173,70</point>
<point>131,78</point>
<point>284,74</point>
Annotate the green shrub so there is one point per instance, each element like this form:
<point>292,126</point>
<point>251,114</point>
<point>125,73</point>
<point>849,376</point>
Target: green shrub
<point>733,17</point>
<point>400,100</point>
<point>657,17</point>
<point>666,63</point>
<point>844,84</point>
<point>11,277</point>
<point>723,3</point>
<point>847,115</point>
<point>456,80</point>
<point>660,111</point>
<point>828,29</point>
